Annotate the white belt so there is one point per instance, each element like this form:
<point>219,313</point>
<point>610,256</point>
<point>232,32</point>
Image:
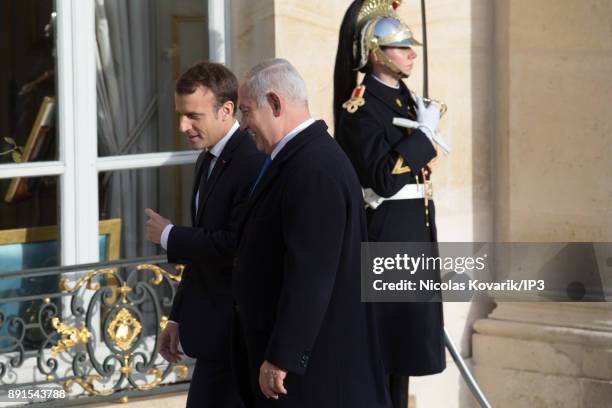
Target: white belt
<point>408,192</point>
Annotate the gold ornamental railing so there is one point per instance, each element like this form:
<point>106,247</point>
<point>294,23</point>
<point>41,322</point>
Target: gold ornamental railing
<point>89,332</point>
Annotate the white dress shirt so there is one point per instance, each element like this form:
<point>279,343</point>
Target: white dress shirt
<point>289,136</point>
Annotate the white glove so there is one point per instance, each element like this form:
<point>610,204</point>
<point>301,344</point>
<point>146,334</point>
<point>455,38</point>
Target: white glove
<point>428,117</point>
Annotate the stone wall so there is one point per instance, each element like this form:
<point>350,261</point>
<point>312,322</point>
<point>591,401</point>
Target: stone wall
<point>552,183</point>
<point>553,123</point>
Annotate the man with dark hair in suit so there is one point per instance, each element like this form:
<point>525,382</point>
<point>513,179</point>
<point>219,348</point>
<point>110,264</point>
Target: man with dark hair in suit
<point>303,337</point>
<point>201,315</point>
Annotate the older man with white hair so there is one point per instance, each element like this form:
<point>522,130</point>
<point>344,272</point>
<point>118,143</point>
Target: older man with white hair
<point>302,336</point>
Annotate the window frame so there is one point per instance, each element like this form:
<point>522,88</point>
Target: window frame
<point>79,165</point>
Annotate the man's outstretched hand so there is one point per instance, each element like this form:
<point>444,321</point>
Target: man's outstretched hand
<point>155,225</point>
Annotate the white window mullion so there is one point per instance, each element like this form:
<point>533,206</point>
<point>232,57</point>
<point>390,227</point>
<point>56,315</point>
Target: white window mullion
<point>228,34</point>
<point>216,25</point>
<point>86,132</point>
<point>66,130</point>
<point>77,130</point>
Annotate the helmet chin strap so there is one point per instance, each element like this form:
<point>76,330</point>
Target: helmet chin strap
<point>381,58</point>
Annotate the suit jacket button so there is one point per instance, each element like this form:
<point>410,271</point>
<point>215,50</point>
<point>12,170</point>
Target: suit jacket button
<point>235,262</point>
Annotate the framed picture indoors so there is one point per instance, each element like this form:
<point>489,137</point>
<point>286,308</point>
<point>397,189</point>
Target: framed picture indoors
<point>38,143</point>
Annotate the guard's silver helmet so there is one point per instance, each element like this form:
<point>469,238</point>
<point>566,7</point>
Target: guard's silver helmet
<point>381,27</point>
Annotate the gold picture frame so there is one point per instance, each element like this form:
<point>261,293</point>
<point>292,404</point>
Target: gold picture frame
<point>111,228</point>
<point>38,138</point>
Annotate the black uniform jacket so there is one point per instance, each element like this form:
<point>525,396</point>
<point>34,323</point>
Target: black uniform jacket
<point>297,282</point>
<point>411,334</point>
<point>203,304</point>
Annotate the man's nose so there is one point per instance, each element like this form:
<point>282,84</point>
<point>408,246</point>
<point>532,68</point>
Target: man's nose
<point>184,124</point>
<point>411,53</point>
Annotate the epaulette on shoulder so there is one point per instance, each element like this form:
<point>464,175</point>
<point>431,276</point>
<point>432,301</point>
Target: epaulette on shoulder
<point>356,100</point>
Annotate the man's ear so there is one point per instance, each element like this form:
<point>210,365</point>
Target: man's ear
<point>228,109</point>
<point>275,103</point>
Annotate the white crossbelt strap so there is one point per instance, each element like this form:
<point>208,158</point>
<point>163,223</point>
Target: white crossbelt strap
<point>408,192</point>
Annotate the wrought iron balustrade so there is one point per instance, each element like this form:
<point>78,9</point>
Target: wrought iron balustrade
<point>91,329</point>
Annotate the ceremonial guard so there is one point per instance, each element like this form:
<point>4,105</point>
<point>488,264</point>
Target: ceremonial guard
<point>390,137</point>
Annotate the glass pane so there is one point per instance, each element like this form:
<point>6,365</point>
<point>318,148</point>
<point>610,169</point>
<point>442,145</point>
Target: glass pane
<point>26,206</point>
<point>29,238</point>
<point>125,194</point>
<point>142,47</point>
<point>27,81</point>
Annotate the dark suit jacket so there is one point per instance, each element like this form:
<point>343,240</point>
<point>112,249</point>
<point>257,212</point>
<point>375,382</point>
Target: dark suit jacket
<point>297,279</point>
<point>411,334</point>
<point>203,303</point>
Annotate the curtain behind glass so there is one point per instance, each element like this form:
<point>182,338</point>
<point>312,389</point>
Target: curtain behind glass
<point>127,104</point>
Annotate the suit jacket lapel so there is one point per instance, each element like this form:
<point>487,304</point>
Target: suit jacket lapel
<point>221,163</point>
<point>270,174</point>
<point>276,166</point>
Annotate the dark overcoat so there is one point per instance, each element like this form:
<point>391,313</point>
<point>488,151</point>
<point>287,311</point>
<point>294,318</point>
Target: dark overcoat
<point>297,282</point>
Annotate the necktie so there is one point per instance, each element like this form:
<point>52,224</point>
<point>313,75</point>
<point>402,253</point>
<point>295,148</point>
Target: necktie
<point>263,169</point>
<point>204,172</point>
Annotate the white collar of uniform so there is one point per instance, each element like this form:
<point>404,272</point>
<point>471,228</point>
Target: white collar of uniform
<point>218,148</point>
<point>287,138</point>
<point>385,84</point>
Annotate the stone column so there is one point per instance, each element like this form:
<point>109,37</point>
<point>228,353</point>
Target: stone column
<point>252,33</point>
<point>552,177</point>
